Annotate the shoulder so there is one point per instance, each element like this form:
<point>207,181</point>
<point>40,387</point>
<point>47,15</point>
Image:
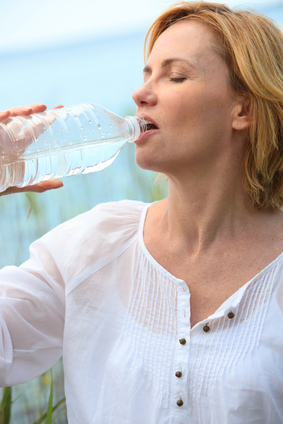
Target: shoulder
<point>102,233</point>
<point>118,213</point>
<point>102,220</point>
<point>108,217</point>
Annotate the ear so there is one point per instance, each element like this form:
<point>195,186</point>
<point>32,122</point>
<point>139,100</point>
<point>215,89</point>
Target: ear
<point>241,114</point>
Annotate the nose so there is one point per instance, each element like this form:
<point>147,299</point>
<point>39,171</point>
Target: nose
<point>144,96</point>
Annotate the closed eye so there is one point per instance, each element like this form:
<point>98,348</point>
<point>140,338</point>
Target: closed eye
<point>177,79</point>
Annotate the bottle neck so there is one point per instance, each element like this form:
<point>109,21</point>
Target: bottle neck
<point>137,126</point>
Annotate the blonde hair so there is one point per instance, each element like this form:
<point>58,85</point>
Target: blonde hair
<point>252,47</point>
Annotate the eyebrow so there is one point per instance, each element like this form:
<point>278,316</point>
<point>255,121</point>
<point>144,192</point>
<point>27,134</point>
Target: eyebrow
<point>168,62</point>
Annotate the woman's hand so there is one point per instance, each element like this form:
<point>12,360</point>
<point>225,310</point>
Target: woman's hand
<point>25,111</point>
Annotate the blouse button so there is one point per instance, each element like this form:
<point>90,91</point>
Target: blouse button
<point>180,402</point>
<point>230,315</point>
<point>206,328</point>
<point>178,374</point>
<point>183,341</point>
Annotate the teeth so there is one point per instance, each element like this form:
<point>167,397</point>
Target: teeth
<point>150,125</point>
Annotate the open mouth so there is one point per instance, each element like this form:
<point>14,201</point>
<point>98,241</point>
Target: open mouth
<point>150,126</point>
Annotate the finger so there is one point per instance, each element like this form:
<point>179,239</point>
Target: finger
<point>46,185</point>
<point>23,110</point>
<point>4,115</point>
<point>36,188</point>
<point>57,107</point>
<point>20,111</point>
<point>37,107</point>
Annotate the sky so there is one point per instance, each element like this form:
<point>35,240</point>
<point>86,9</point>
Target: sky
<point>33,24</point>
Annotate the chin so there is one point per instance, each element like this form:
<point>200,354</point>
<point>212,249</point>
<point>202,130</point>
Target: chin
<point>146,161</point>
<point>149,164</point>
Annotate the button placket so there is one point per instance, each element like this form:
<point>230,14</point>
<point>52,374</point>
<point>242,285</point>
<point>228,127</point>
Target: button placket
<point>180,389</point>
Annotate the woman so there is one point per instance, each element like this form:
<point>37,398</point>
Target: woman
<point>172,312</point>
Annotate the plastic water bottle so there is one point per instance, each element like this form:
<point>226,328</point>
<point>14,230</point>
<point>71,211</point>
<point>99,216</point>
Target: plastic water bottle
<point>62,142</point>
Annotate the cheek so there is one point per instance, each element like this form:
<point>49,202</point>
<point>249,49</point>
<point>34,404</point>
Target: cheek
<point>204,111</point>
<point>177,114</point>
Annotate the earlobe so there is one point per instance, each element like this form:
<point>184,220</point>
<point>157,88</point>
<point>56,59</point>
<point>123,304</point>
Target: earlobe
<point>241,119</point>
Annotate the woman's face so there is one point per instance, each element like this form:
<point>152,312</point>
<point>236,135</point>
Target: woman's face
<point>186,92</point>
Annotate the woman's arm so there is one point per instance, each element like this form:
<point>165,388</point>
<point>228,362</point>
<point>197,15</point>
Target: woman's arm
<point>32,300</point>
<point>32,314</point>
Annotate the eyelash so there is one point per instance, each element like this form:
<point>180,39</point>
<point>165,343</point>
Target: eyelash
<point>177,79</point>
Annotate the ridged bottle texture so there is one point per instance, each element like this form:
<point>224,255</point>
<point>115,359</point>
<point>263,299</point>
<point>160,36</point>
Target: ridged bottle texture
<point>62,142</point>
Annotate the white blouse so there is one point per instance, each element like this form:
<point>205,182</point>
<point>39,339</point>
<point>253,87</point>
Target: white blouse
<point>92,291</point>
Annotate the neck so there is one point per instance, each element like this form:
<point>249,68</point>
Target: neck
<point>202,211</point>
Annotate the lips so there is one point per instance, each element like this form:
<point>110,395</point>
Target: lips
<point>151,128</point>
<point>151,124</point>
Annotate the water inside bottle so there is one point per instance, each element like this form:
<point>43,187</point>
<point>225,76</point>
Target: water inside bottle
<point>63,163</point>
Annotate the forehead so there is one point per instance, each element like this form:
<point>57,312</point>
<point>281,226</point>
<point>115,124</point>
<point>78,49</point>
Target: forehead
<point>189,39</point>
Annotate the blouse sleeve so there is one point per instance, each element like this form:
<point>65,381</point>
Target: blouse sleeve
<point>31,317</point>
<point>32,296</point>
